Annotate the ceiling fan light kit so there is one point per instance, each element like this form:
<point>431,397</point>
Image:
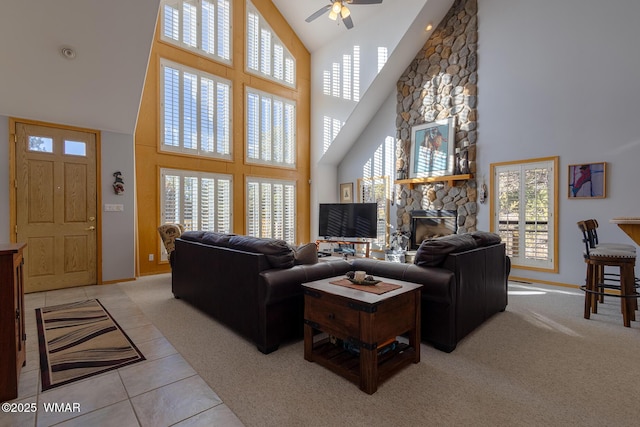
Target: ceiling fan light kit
<point>339,8</point>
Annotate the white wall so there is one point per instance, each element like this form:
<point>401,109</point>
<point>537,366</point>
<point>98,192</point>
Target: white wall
<point>373,153</point>
<point>118,228</point>
<point>561,78</point>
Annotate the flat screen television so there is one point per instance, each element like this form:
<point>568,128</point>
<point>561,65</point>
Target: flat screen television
<point>348,220</point>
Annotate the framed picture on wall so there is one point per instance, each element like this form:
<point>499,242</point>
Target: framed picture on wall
<point>587,181</point>
<point>432,148</point>
<point>346,192</point>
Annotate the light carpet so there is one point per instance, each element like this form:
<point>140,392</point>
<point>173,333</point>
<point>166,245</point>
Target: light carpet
<point>79,340</point>
<point>538,363</point>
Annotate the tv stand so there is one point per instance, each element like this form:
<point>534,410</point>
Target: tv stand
<point>367,244</point>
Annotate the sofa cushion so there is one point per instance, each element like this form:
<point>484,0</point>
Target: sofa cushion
<point>485,238</point>
<point>433,252</point>
<point>305,254</point>
<point>207,237</point>
<point>277,252</point>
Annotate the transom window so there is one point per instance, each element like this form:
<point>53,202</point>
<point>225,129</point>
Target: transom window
<point>202,26</point>
<point>195,111</point>
<point>266,54</point>
<point>271,125</point>
<point>271,209</point>
<point>43,144</point>
<point>197,200</point>
<point>524,211</point>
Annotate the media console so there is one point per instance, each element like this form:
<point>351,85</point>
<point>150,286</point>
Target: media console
<point>346,242</point>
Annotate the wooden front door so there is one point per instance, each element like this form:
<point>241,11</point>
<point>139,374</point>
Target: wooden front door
<point>56,206</point>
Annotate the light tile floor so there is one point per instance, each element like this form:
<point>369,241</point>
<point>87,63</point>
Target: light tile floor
<point>163,390</point>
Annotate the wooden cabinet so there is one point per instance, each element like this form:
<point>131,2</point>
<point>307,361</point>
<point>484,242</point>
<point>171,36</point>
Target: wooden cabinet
<point>12,332</point>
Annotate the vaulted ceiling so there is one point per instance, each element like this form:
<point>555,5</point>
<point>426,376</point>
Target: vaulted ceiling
<point>100,88</point>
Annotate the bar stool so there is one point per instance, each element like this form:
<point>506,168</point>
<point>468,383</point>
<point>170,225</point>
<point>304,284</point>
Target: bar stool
<point>602,276</point>
<point>592,228</point>
<point>597,259</point>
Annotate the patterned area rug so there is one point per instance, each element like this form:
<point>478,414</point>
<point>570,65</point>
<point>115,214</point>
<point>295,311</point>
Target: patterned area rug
<point>79,340</point>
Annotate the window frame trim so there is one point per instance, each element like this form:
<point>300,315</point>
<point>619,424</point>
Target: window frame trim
<point>260,180</point>
<point>555,199</point>
<point>162,171</point>
<point>181,150</point>
<point>197,51</point>
<point>260,161</point>
<point>258,73</point>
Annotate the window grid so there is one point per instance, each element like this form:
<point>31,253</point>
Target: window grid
<point>271,209</point>
<point>271,137</point>
<point>266,54</point>
<point>201,26</point>
<point>197,200</point>
<point>196,112</point>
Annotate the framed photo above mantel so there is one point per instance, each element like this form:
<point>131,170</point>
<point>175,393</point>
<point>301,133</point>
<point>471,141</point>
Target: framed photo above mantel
<point>432,148</point>
<point>588,181</point>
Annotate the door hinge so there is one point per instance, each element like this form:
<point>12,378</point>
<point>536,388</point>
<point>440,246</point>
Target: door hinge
<point>15,137</point>
<point>16,229</point>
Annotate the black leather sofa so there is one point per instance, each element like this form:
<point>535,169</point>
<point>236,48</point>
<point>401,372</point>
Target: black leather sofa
<point>253,285</point>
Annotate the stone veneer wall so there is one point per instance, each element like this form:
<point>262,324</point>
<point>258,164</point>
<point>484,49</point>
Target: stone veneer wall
<point>440,83</point>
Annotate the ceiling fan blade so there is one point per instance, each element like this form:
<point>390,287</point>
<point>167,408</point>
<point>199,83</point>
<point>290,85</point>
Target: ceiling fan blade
<point>319,13</point>
<point>364,1</point>
<point>348,22</point>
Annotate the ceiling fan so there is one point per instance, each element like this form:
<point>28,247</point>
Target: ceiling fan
<point>339,8</point>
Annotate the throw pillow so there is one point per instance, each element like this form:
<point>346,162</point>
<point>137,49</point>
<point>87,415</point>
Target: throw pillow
<point>433,252</point>
<point>305,254</point>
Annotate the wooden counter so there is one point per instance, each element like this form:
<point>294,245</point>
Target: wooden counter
<point>630,225</point>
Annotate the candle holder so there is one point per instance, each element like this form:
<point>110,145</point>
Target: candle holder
<point>464,158</point>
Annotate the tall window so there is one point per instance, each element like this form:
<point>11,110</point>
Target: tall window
<point>197,200</point>
<point>523,206</point>
<point>271,209</point>
<point>376,190</point>
<point>266,54</point>
<point>271,126</point>
<point>202,26</point>
<point>195,111</point>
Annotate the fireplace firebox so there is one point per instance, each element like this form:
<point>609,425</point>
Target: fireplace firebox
<point>427,224</point>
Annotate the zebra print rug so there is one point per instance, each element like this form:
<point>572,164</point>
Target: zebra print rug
<point>79,340</point>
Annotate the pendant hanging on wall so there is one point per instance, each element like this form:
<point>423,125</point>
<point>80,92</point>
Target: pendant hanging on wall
<point>118,184</point>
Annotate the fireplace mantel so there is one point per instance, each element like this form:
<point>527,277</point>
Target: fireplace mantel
<point>418,181</point>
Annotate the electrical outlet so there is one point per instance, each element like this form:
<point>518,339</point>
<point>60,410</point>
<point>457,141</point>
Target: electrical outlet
<point>150,257</point>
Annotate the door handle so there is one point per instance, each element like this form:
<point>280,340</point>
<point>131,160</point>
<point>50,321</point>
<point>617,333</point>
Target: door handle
<point>90,228</point>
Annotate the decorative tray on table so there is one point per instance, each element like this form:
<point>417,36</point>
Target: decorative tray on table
<point>368,280</point>
<point>364,282</point>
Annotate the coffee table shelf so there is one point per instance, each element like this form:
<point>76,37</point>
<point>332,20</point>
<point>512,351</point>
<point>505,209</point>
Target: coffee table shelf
<point>347,364</point>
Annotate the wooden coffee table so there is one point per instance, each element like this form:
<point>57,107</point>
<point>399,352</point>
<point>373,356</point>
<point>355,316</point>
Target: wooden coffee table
<point>347,330</point>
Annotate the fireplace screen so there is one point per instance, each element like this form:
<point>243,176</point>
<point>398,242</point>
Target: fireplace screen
<point>431,223</point>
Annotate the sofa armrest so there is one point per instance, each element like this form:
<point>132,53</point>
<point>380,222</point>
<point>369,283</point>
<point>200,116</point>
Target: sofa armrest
<point>437,282</point>
<point>278,284</point>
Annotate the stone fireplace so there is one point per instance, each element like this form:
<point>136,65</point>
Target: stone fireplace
<point>441,82</point>
<point>426,224</point>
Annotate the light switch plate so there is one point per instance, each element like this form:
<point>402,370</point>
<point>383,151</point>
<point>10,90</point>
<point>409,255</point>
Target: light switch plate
<point>108,207</point>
